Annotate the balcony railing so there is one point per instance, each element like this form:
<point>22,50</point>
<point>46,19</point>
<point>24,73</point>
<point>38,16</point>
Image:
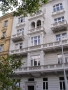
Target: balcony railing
<point>20,24</point>
<point>46,47</point>
<point>58,12</point>
<point>17,37</point>
<point>45,68</point>
<point>38,29</point>
<point>38,14</point>
<point>60,26</point>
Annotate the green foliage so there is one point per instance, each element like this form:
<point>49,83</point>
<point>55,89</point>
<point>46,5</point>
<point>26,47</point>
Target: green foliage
<point>7,65</point>
<point>23,7</point>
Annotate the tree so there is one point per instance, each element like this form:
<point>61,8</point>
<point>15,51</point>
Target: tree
<point>7,65</point>
<point>22,6</point>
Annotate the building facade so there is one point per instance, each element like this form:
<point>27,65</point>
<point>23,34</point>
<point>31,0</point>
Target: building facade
<point>5,33</point>
<point>39,39</point>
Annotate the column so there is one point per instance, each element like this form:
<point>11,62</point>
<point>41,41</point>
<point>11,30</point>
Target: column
<point>28,60</point>
<point>42,57</point>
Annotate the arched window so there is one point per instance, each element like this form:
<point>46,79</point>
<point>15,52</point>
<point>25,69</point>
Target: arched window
<point>33,24</point>
<point>39,23</point>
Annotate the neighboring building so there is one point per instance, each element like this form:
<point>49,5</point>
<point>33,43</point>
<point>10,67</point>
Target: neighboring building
<point>37,39</point>
<point>5,33</point>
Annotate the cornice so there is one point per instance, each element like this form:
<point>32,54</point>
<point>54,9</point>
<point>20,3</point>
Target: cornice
<point>6,16</point>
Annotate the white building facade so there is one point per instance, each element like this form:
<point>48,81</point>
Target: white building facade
<point>37,38</point>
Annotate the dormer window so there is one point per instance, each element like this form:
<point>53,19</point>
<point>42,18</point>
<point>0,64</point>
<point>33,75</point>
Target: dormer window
<point>57,7</point>
<point>21,19</point>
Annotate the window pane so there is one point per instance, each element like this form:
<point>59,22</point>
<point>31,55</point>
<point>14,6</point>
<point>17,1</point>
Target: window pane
<point>45,79</point>
<point>35,42</point>
<point>35,63</point>
<point>31,62</point>
<point>61,85</point>
<point>31,79</point>
<point>43,85</point>
<point>64,85</point>
<point>46,85</point>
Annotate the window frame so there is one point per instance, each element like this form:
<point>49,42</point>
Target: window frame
<point>35,40</point>
<point>35,60</point>
<point>62,82</point>
<point>6,23</point>
<point>57,7</point>
<point>61,36</point>
<point>59,19</point>
<point>1,47</point>
<point>21,19</point>
<point>45,87</point>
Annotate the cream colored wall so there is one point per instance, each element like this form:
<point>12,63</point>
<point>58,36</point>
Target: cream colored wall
<point>8,29</point>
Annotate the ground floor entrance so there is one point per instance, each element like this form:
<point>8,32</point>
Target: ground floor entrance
<point>30,87</point>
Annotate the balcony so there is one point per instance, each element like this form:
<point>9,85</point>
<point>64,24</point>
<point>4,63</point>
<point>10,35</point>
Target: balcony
<point>19,51</point>
<point>58,12</point>
<point>60,26</point>
<point>45,47</point>
<point>20,24</point>
<point>17,37</point>
<point>36,15</point>
<point>39,69</point>
<point>37,30</point>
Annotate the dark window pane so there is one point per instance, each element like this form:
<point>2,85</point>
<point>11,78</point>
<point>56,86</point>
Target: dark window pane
<point>45,79</point>
<point>46,85</point>
<point>31,79</point>
<point>61,78</point>
<point>60,85</point>
<point>43,85</point>
<point>63,85</point>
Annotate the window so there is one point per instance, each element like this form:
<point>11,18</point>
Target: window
<point>45,83</point>
<point>31,79</point>
<point>20,45</point>
<point>62,83</point>
<point>35,60</point>
<point>60,19</point>
<point>6,23</point>
<point>58,37</point>
<point>35,40</point>
<point>57,7</point>
<point>39,23</point>
<point>16,46</point>
<point>61,36</point>
<point>1,47</point>
<point>21,19</point>
<point>20,31</point>
<point>33,24</point>
<point>4,34</point>
<point>59,59</point>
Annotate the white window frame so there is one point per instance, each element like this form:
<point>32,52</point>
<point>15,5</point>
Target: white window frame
<point>19,45</point>
<point>61,36</point>
<point>62,81</point>
<point>59,19</point>
<point>1,48</point>
<point>4,34</point>
<point>35,38</point>
<point>20,30</point>
<point>21,19</point>
<point>35,58</point>
<point>45,84</point>
<point>57,7</point>
<point>5,23</point>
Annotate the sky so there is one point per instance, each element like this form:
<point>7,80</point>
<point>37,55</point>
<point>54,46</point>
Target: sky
<point>0,13</point>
